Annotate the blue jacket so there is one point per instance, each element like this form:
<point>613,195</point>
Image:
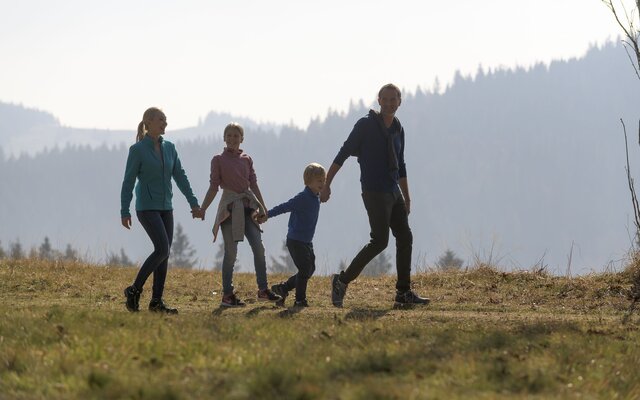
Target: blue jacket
<point>153,189</point>
<point>367,142</point>
<point>304,208</point>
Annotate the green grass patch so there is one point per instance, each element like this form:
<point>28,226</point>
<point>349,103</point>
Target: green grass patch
<point>65,334</point>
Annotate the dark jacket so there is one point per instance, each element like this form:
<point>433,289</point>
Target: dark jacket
<point>368,142</point>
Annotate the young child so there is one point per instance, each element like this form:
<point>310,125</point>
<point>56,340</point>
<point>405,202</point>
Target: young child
<point>240,204</point>
<point>304,208</point>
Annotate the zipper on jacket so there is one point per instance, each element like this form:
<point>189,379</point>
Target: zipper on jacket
<point>164,187</point>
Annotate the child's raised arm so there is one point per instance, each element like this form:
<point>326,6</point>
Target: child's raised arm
<point>208,199</point>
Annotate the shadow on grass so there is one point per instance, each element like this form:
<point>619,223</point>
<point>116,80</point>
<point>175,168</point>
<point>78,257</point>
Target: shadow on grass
<point>290,312</point>
<point>255,311</point>
<point>218,311</point>
<point>363,314</point>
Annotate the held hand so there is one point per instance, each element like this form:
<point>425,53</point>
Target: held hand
<point>126,222</point>
<point>262,218</point>
<point>197,212</point>
<point>325,193</point>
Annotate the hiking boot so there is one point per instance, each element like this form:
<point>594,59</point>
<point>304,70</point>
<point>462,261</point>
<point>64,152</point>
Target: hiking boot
<point>157,305</point>
<point>300,304</point>
<point>338,290</point>
<point>230,300</point>
<point>409,299</point>
<point>281,290</point>
<point>268,295</point>
<point>133,298</point>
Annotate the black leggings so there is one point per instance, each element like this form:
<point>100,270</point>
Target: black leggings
<point>159,227</point>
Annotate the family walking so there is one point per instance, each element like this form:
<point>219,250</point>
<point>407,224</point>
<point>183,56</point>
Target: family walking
<point>377,140</point>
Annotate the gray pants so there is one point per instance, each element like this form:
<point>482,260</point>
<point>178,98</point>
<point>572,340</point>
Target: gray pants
<point>254,237</point>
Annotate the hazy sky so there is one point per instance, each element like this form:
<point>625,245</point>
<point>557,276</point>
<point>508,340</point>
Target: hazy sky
<point>101,64</point>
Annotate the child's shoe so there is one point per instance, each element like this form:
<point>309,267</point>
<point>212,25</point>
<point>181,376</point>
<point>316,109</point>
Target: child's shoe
<point>301,303</point>
<point>133,298</point>
<point>157,305</point>
<point>268,295</point>
<point>338,290</point>
<point>230,300</point>
<point>281,290</point>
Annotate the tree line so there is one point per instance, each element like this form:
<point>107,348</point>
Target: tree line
<point>183,256</point>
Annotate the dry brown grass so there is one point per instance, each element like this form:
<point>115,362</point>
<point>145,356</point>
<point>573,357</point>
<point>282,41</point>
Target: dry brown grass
<point>64,333</point>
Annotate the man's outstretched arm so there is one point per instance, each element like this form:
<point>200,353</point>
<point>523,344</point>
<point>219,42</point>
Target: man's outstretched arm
<point>326,190</point>
<point>404,187</point>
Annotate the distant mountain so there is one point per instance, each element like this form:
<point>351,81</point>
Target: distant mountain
<point>29,131</point>
<point>519,167</point>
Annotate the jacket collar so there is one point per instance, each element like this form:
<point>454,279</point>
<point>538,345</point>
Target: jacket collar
<point>149,142</point>
<point>232,152</point>
<point>309,191</point>
<point>375,114</point>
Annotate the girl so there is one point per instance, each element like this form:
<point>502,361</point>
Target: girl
<point>241,208</point>
<point>153,162</point>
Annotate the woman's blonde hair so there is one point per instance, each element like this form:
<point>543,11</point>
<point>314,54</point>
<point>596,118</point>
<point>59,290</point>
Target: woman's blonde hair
<point>148,115</point>
<point>313,170</point>
<point>233,125</point>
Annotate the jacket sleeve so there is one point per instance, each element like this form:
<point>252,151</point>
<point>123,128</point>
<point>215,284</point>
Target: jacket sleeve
<point>289,206</point>
<point>130,174</point>
<point>402,167</point>
<point>182,181</point>
<point>351,146</point>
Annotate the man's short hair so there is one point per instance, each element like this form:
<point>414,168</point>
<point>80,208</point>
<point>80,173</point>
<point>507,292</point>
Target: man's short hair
<point>390,86</point>
<point>313,170</point>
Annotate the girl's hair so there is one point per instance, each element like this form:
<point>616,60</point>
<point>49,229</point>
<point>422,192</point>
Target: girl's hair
<point>390,86</point>
<point>233,125</point>
<point>146,118</point>
<point>313,170</point>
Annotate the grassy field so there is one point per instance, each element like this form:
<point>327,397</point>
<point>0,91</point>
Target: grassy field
<point>65,334</point>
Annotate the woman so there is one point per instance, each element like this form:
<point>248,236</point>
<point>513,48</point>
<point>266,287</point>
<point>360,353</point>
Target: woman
<point>153,162</point>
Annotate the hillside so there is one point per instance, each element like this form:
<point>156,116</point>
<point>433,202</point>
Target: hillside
<point>65,334</point>
<point>522,166</point>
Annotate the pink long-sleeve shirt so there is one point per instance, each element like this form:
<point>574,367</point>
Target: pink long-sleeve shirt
<point>233,170</point>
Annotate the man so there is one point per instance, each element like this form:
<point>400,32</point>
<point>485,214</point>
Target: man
<point>378,141</point>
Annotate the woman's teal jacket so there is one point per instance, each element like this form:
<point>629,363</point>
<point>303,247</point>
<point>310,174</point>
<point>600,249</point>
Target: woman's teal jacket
<point>153,189</point>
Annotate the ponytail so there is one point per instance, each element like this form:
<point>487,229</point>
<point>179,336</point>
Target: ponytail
<point>141,132</point>
<point>146,118</point>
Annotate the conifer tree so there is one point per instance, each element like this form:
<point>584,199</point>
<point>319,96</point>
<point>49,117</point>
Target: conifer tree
<point>119,259</point>
<point>70,254</point>
<point>15,250</point>
<point>284,263</point>
<point>380,265</point>
<point>45,251</point>
<point>181,251</point>
<point>217,263</point>
<point>449,262</point>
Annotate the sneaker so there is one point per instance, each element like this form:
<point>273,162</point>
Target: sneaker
<point>408,299</point>
<point>338,290</point>
<point>157,305</point>
<point>281,290</point>
<point>268,295</point>
<point>230,300</point>
<point>133,298</point>
<point>300,304</point>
